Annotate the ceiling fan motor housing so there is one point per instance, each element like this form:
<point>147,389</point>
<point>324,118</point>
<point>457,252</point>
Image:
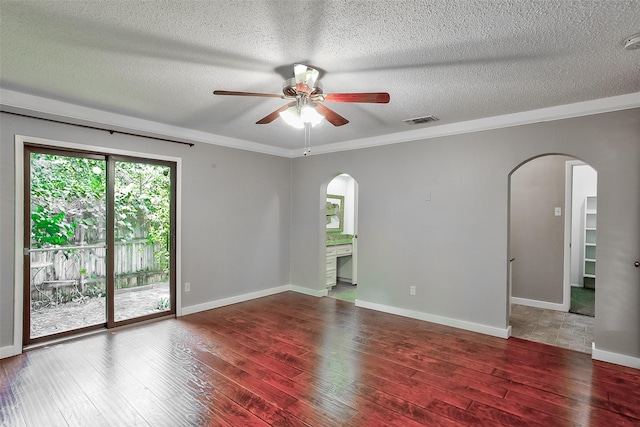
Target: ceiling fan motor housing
<point>291,89</point>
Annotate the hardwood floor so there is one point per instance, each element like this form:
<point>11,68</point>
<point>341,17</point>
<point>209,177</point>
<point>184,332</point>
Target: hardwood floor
<point>295,360</point>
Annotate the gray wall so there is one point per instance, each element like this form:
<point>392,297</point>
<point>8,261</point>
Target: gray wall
<point>236,218</point>
<point>537,235</point>
<point>454,247</point>
<point>235,213</point>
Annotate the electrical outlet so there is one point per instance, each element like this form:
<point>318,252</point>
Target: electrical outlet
<point>557,211</point>
<point>187,287</point>
<point>412,290</point>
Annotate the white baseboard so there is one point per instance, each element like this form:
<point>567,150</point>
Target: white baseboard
<point>447,321</point>
<point>307,291</point>
<point>10,350</point>
<point>616,358</point>
<point>252,295</point>
<point>538,304</point>
<point>233,300</point>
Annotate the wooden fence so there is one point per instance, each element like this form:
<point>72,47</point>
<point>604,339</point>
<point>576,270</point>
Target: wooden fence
<point>80,266</point>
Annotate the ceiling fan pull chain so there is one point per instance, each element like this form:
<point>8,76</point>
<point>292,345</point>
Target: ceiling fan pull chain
<point>307,138</point>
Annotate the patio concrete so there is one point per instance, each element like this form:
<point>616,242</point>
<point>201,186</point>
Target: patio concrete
<point>129,303</point>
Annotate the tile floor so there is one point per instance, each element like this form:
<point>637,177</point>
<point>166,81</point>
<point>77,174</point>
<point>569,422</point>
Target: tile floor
<point>339,287</point>
<point>552,327</point>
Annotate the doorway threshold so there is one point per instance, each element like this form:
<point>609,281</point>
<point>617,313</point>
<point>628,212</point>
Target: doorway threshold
<point>62,340</point>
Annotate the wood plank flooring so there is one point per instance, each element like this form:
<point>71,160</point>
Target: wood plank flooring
<point>295,360</point>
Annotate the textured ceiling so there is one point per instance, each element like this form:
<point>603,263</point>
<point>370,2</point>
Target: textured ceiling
<point>458,60</point>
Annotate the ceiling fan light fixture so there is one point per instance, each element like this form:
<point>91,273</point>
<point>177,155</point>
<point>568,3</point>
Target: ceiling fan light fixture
<point>298,117</point>
<point>308,114</point>
<point>307,108</point>
<point>291,116</point>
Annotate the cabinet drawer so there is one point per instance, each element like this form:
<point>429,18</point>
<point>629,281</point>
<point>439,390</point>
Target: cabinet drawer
<point>344,250</point>
<point>331,278</point>
<point>331,263</point>
<point>331,251</point>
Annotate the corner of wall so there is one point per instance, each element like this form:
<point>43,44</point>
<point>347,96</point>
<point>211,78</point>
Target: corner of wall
<point>210,305</point>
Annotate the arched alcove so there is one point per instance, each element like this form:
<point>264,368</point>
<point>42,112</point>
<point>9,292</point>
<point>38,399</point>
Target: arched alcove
<point>543,218</point>
<point>340,195</point>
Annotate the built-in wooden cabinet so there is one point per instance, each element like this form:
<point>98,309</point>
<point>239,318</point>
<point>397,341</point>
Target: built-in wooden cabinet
<point>333,254</point>
<point>590,223</point>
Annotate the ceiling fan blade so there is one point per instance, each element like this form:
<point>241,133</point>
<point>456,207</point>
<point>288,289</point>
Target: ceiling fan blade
<point>373,97</point>
<point>330,115</point>
<point>271,117</point>
<point>233,93</point>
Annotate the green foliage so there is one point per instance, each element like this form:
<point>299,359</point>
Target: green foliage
<point>68,198</point>
<point>94,291</point>
<point>48,228</point>
<point>142,195</point>
<point>163,304</point>
<point>67,193</point>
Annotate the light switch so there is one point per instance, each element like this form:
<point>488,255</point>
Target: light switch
<point>427,196</point>
<point>558,211</point>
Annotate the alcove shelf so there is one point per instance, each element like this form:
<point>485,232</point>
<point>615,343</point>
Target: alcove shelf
<point>590,228</point>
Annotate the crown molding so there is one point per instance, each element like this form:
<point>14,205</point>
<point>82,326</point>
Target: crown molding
<point>23,103</point>
<point>586,108</point>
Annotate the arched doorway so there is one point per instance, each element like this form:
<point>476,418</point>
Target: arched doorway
<point>341,238</point>
<point>552,252</point>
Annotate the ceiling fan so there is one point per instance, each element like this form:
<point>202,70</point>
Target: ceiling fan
<point>307,97</point>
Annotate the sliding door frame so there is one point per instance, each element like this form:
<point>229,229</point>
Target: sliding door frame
<point>22,226</point>
<point>28,149</point>
<point>112,159</point>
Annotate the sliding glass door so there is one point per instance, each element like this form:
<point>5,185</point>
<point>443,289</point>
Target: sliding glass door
<point>65,260</point>
<point>99,241</point>
<point>142,240</point>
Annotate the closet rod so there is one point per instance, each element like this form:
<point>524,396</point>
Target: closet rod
<point>111,131</point>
